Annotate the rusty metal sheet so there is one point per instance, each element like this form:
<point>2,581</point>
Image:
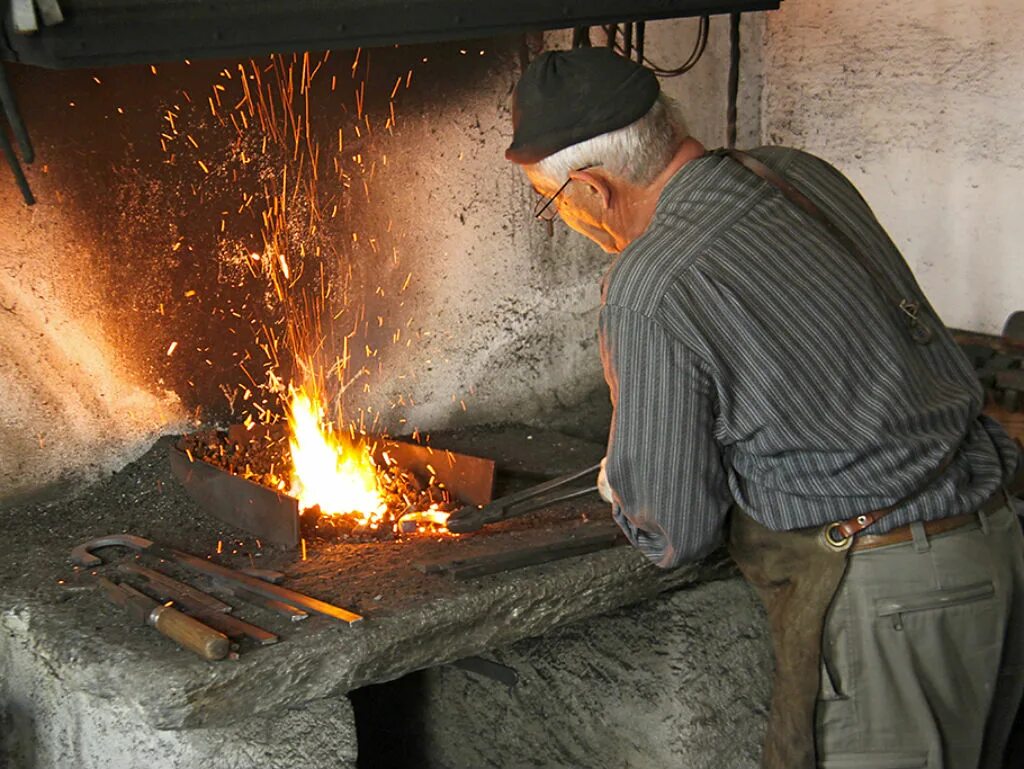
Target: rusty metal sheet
<point>263,512</point>
<point>469,479</point>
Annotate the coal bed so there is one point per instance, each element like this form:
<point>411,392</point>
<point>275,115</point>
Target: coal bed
<point>61,637</point>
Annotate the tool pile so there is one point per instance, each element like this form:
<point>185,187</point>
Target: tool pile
<point>192,618</point>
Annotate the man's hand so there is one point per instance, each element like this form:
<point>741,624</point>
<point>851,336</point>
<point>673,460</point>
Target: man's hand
<point>603,487</point>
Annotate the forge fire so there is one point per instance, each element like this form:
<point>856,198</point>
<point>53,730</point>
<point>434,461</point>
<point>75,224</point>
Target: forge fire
<point>315,342</point>
<point>345,486</point>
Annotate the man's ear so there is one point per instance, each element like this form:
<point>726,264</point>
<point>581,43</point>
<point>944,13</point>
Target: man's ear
<point>596,182</point>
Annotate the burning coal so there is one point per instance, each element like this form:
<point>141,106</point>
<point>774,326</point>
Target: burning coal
<point>321,338</point>
<point>329,473</point>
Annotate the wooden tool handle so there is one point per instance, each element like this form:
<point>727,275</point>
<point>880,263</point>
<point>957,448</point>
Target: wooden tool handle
<point>190,633</point>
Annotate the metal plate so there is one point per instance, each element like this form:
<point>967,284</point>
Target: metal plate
<point>469,479</point>
<point>266,513</point>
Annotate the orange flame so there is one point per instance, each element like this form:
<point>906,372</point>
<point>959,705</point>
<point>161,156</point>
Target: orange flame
<point>329,471</point>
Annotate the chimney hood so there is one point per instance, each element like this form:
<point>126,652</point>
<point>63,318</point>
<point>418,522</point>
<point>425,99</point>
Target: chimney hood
<point>63,34</point>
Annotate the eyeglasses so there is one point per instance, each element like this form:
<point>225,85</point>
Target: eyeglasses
<point>546,212</point>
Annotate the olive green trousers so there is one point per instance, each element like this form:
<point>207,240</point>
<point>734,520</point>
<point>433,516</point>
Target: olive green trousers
<point>923,652</point>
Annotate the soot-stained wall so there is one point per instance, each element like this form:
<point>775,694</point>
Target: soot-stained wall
<point>139,295</point>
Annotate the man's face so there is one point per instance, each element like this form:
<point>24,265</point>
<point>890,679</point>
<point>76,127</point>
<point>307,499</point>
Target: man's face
<point>582,208</point>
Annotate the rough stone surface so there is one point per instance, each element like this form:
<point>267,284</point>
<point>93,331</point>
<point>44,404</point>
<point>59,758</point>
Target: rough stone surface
<point>47,721</point>
<point>413,620</point>
<point>679,681</point>
<point>916,103</point>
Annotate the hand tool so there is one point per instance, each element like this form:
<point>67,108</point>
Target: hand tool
<point>198,604</point>
<point>587,539</point>
<point>278,607</point>
<point>184,630</point>
<point>471,518</point>
<point>82,556</point>
<point>175,590</point>
<point>267,575</point>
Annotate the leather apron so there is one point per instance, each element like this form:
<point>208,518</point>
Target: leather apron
<point>797,573</point>
<point>797,577</point>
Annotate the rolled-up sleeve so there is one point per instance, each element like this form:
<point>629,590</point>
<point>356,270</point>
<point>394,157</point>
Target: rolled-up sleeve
<point>664,465</point>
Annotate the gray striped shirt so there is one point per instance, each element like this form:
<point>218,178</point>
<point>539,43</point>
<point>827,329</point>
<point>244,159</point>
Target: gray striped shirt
<point>751,359</point>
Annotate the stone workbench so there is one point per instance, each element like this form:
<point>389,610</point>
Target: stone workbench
<point>79,681</point>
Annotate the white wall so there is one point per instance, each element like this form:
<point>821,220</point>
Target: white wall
<point>922,105</point>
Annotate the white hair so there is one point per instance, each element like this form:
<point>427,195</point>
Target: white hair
<point>637,153</point>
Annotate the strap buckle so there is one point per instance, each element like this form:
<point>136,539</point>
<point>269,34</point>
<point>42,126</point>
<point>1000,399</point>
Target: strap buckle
<point>834,539</point>
<point>919,332</point>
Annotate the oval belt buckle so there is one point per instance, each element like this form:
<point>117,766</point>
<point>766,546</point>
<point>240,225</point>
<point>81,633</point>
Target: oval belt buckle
<point>834,539</point>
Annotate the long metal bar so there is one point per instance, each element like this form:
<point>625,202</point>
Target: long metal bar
<point>18,128</point>
<point>15,166</point>
<point>285,610</point>
<point>182,590</point>
<point>599,538</point>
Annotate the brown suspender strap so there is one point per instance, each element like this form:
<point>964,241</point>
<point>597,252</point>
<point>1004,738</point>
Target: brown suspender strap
<point>911,308</point>
<point>840,535</point>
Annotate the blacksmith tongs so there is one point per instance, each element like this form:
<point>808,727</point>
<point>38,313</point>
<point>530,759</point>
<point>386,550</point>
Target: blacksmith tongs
<point>471,517</point>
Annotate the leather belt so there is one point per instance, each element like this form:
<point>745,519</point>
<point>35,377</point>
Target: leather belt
<point>902,534</point>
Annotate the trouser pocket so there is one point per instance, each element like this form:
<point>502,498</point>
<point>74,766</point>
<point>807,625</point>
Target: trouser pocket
<point>875,761</point>
<point>897,608</point>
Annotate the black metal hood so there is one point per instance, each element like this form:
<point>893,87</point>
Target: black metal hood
<point>88,33</point>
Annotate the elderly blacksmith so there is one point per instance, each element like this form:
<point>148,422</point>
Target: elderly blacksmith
<point>779,380</point>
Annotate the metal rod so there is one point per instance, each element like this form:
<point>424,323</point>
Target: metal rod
<point>173,588</point>
<point>641,30</point>
<point>280,608</point>
<point>546,502</point>
<point>14,118</point>
<point>627,40</point>
<point>586,539</point>
<point>19,175</point>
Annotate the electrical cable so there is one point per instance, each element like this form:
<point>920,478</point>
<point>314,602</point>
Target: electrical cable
<point>700,44</point>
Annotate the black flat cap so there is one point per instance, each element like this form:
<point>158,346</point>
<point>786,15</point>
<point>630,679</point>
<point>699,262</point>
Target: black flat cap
<point>566,97</point>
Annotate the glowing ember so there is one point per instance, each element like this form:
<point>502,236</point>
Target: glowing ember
<point>329,471</point>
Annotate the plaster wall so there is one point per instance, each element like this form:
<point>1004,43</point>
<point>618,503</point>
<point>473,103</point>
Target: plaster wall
<point>126,258</point>
<point>920,105</point>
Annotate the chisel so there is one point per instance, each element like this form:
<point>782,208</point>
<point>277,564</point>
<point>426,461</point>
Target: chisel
<point>184,630</point>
